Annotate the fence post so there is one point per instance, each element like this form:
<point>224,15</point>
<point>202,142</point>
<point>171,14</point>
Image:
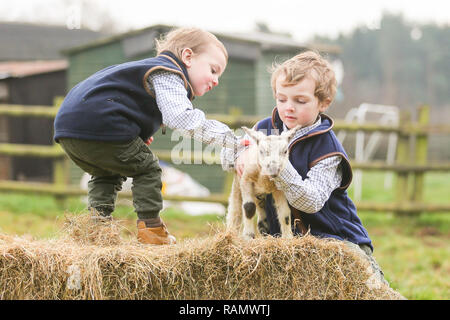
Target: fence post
<point>60,167</point>
<point>402,158</point>
<point>5,161</point>
<point>420,153</point>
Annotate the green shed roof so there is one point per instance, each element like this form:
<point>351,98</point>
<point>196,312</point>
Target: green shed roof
<point>239,42</point>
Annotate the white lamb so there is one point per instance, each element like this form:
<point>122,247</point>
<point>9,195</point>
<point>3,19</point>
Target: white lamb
<point>267,157</point>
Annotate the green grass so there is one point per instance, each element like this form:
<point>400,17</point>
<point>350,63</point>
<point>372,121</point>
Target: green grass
<point>43,217</point>
<point>414,252</point>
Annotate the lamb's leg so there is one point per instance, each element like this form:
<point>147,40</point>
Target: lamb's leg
<point>249,208</point>
<point>234,212</point>
<point>284,214</point>
<point>263,226</point>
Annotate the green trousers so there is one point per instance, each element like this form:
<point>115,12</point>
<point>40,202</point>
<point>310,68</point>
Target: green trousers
<point>365,252</point>
<point>109,164</point>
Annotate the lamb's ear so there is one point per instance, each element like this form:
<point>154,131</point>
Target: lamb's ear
<point>255,135</point>
<point>290,133</point>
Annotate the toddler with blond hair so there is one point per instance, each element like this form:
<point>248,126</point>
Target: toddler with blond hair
<point>106,120</point>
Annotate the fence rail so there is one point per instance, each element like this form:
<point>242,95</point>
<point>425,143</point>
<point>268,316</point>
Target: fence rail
<point>404,167</point>
<point>243,120</point>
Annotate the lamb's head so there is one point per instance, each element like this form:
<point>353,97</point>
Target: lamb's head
<point>271,151</point>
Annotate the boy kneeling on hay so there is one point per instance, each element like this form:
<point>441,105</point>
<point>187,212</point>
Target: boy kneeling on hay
<point>106,120</point>
<point>318,173</point>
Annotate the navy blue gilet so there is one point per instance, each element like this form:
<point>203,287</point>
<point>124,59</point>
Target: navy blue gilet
<point>116,103</point>
<point>338,218</point>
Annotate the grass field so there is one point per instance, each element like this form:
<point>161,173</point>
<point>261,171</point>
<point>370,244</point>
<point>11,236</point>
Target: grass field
<point>414,252</point>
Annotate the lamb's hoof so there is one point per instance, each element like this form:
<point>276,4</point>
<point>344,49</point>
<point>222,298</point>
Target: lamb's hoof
<point>263,227</point>
<point>249,236</point>
<point>288,235</point>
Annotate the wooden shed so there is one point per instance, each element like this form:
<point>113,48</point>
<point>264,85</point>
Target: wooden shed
<point>29,83</point>
<point>33,72</point>
<point>244,87</point>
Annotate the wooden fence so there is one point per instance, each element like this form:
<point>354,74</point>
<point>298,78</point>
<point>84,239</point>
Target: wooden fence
<point>410,166</point>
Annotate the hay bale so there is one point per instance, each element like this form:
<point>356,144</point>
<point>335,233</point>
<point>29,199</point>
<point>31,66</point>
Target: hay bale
<point>82,265</point>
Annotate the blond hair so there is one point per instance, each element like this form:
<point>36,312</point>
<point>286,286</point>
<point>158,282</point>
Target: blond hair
<point>195,39</point>
<point>308,63</point>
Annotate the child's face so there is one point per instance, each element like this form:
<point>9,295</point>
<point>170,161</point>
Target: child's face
<point>204,68</point>
<point>297,104</point>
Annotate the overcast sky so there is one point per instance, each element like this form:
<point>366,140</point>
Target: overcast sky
<point>301,18</point>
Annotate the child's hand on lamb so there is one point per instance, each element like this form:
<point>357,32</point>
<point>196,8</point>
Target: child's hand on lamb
<point>242,159</point>
<point>149,141</point>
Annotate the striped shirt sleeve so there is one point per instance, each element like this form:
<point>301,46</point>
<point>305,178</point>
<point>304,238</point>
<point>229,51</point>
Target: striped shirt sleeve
<point>309,194</point>
<point>178,112</point>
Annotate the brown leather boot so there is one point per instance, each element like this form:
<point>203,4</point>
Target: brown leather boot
<point>158,235</point>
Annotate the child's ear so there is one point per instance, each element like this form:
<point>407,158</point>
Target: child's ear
<point>324,105</point>
<point>186,56</point>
